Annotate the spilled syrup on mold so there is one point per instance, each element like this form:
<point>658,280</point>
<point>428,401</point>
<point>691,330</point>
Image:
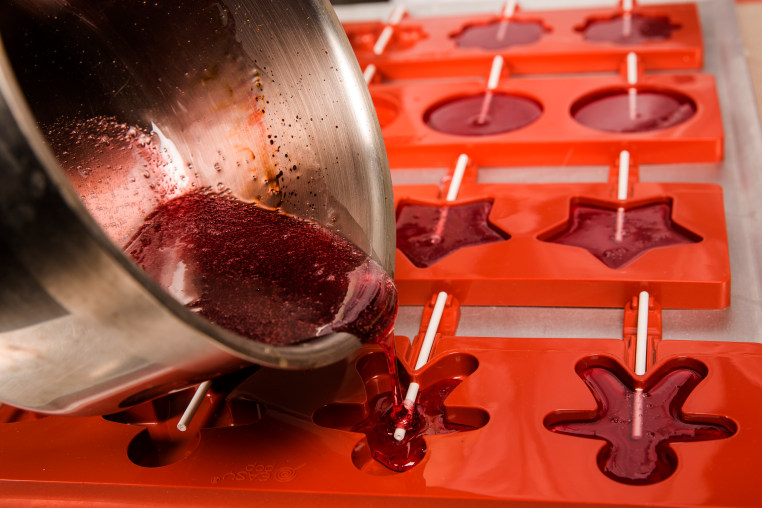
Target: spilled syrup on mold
<point>266,275</point>
<point>426,418</point>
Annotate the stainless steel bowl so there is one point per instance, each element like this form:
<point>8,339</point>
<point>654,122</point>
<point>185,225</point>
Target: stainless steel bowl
<point>226,94</point>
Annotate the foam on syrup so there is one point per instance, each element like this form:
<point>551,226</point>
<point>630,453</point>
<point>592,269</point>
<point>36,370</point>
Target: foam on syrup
<point>263,274</point>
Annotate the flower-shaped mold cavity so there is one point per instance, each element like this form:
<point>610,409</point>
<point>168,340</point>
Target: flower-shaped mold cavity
<point>639,419</point>
<point>633,29</point>
<point>632,110</point>
<point>502,112</point>
<point>500,33</point>
<point>364,37</point>
<point>379,453</point>
<point>618,235</point>
<point>161,443</point>
<point>427,233</point>
<point>387,108</point>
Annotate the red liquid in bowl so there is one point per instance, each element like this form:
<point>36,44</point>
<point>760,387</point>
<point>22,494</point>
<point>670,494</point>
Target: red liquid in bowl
<point>638,30</point>
<point>625,112</point>
<point>500,34</point>
<point>461,116</point>
<point>265,275</point>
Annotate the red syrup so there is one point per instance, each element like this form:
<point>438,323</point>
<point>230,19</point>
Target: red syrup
<point>426,233</point>
<point>268,276</point>
<point>617,237</point>
<point>263,274</point>
<point>428,417</point>
<point>633,110</point>
<point>500,34</point>
<point>637,30</point>
<point>639,425</point>
<point>461,116</point>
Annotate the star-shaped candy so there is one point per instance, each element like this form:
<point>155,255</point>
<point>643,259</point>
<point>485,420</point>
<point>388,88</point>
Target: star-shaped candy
<point>427,233</point>
<point>377,419</point>
<point>638,425</point>
<point>618,236</point>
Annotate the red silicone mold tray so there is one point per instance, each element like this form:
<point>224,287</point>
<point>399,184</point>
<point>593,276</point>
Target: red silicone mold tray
<point>515,393</point>
<point>513,253</point>
<point>554,137</point>
<point>538,42</point>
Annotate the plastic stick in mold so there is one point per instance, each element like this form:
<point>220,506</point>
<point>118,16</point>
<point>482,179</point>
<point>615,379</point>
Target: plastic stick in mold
<point>423,357</point>
<point>452,195</point>
<point>193,406</point>
<point>632,81</point>
<point>627,6</point>
<point>641,356</point>
<point>492,82</point>
<point>368,73</point>
<point>509,9</point>
<point>386,34</point>
<point>622,191</point>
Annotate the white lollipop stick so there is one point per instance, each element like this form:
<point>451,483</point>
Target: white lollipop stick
<point>368,73</point>
<point>622,191</point>
<point>386,34</point>
<point>641,342</point>
<point>627,18</point>
<point>641,355</point>
<point>423,357</point>
<point>509,10</point>
<point>457,177</point>
<point>193,406</point>
<point>492,82</point>
<point>452,195</point>
<point>632,80</point>
<point>624,175</point>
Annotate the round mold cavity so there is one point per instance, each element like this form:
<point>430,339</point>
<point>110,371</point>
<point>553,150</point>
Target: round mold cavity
<point>619,30</point>
<point>633,110</point>
<point>504,113</point>
<point>499,34</point>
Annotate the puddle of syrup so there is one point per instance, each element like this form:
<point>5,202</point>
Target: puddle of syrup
<point>617,238</point>
<point>500,34</point>
<point>638,426</point>
<point>460,116</point>
<point>637,30</point>
<point>426,233</point>
<point>263,274</point>
<point>642,111</point>
<point>428,417</point>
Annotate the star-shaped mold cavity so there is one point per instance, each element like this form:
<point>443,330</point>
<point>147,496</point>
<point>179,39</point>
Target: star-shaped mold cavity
<point>617,236</point>
<point>427,233</point>
<point>618,29</point>
<point>500,33</point>
<point>639,420</point>
<point>160,443</point>
<point>378,452</point>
